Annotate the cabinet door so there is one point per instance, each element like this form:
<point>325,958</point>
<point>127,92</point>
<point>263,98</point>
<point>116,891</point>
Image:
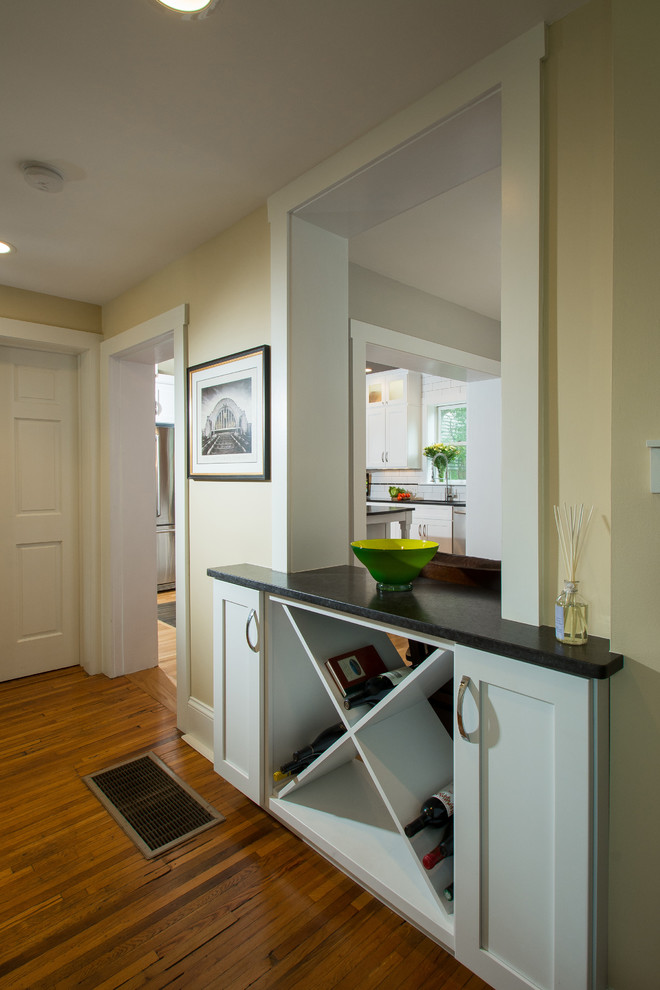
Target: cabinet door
<point>376,437</point>
<point>396,455</point>
<point>524,791</point>
<point>437,527</point>
<point>237,687</point>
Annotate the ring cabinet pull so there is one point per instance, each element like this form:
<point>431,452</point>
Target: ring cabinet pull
<point>251,616</point>
<point>462,687</point>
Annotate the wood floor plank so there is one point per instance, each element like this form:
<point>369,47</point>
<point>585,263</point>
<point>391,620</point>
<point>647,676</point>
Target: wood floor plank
<point>245,904</point>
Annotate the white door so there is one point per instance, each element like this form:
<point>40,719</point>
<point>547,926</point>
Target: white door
<point>39,539</point>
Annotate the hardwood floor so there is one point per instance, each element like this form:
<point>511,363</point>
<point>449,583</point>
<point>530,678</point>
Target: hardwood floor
<point>160,682</point>
<point>245,904</point>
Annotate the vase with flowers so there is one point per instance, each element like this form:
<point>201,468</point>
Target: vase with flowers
<point>440,455</point>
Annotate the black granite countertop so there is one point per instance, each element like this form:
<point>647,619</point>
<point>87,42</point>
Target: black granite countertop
<point>469,616</point>
<point>416,501</point>
<point>383,510</point>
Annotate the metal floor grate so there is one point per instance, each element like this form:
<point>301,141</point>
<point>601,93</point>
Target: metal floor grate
<point>155,808</point>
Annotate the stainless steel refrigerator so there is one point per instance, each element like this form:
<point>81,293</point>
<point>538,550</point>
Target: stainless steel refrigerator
<point>165,507</point>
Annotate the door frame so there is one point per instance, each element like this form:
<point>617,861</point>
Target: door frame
<point>86,346</point>
<point>392,345</point>
<point>309,310</point>
<point>136,351</point>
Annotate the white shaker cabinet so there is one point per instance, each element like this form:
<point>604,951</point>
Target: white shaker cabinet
<point>394,421</point>
<point>527,752</point>
<point>434,522</point>
<point>530,782</point>
<point>238,678</point>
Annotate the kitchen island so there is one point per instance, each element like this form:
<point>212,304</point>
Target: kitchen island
<point>379,518</point>
<point>526,750</point>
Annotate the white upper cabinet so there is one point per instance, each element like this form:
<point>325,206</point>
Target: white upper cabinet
<point>394,420</point>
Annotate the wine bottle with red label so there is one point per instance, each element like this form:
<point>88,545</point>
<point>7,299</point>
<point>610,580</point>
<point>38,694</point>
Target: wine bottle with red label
<point>435,811</point>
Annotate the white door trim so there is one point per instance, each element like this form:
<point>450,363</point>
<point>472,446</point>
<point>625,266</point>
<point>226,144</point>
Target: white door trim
<point>515,70</point>
<point>85,345</point>
<point>166,333</point>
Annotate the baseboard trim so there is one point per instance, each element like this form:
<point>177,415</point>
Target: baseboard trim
<point>199,724</point>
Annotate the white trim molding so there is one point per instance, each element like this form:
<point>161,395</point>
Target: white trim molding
<point>157,339</point>
<point>199,723</point>
<point>298,297</point>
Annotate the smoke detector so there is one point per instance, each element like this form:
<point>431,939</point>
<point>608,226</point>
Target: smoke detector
<point>43,177</point>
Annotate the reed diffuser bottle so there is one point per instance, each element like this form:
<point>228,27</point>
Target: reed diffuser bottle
<point>570,607</point>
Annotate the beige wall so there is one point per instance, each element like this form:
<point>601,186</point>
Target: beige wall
<point>635,806</point>
<point>600,314</point>
<point>226,284</point>
<point>577,350</point>
<point>53,311</point>
<point>601,361</point>
<point>376,299</point>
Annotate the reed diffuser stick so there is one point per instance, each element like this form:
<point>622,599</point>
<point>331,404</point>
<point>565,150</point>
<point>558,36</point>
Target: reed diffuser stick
<point>570,609</point>
<point>572,530</point>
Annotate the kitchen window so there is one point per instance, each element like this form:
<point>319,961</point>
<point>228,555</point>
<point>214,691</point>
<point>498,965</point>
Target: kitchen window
<point>451,427</point>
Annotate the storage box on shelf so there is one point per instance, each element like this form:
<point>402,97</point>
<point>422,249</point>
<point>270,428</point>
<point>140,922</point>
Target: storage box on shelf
<point>529,766</point>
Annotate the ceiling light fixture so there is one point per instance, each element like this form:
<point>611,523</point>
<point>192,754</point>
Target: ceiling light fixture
<point>6,247</point>
<point>190,9</point>
<point>43,177</point>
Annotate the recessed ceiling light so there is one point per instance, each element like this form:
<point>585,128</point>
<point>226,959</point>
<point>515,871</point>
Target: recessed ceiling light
<point>191,8</point>
<point>6,247</point>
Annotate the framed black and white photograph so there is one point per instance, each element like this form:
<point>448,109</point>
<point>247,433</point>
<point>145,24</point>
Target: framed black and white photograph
<point>229,418</point>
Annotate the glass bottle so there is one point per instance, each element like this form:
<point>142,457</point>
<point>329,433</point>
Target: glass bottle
<point>571,616</point>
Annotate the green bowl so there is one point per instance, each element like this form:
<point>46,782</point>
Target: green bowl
<point>394,564</point>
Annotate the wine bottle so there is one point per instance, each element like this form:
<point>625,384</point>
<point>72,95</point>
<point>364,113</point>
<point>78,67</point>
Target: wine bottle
<point>448,892</point>
<point>371,692</point>
<point>440,852</point>
<point>436,811</point>
<point>303,757</point>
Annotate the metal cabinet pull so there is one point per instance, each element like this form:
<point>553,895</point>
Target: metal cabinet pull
<point>462,687</point>
<point>251,616</point>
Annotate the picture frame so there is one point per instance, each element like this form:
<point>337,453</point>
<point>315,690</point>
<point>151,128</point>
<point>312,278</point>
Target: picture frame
<point>229,417</point>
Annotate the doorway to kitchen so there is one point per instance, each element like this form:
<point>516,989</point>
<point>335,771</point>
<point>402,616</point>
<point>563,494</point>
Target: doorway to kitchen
<point>165,446</point>
<point>312,221</point>
<point>401,350</point>
<point>131,625</point>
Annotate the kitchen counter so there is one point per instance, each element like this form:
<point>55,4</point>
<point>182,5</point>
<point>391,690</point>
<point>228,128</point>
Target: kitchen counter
<point>468,616</point>
<point>379,517</point>
<point>415,501</point>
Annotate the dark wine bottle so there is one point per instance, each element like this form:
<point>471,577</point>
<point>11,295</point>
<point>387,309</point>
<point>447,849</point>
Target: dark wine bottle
<point>373,690</point>
<point>303,757</point>
<point>436,811</point>
<point>418,652</point>
<point>440,852</point>
<point>448,892</point>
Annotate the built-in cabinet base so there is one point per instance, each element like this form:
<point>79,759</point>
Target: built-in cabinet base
<point>527,758</point>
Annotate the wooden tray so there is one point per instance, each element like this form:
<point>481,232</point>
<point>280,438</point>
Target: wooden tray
<point>475,572</point>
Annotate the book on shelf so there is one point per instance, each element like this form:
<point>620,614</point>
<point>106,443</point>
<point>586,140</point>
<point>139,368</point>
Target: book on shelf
<point>350,670</point>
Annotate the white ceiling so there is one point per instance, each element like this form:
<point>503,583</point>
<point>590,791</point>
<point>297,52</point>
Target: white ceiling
<point>449,246</point>
<point>168,131</point>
